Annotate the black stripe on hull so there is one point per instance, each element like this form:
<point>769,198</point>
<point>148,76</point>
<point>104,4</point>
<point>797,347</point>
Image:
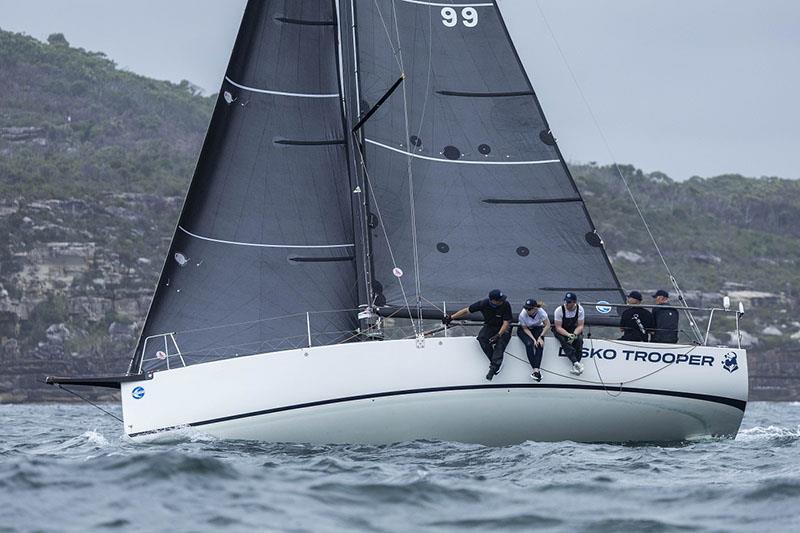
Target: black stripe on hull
<point>738,404</point>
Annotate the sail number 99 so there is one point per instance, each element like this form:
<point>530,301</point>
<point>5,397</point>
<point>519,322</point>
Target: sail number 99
<point>469,17</point>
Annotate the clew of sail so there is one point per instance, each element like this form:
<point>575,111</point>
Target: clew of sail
<point>468,188</point>
<point>266,232</point>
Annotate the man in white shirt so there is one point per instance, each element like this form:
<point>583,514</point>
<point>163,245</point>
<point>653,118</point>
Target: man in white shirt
<point>533,326</point>
<point>569,319</point>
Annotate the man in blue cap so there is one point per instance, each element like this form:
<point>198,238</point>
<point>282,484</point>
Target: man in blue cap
<point>568,320</point>
<point>666,320</point>
<point>496,331</point>
<point>636,322</point>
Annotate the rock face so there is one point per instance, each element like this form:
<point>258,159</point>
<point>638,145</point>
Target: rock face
<point>74,287</point>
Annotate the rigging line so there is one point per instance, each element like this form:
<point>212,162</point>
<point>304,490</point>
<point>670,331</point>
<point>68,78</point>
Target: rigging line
<point>409,165</point>
<point>62,387</point>
<point>599,375</point>
<point>371,193</point>
<point>619,171</point>
<point>252,322</point>
<point>389,35</point>
<point>430,73</point>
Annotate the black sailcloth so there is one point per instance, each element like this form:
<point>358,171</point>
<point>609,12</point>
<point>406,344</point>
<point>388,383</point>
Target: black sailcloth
<point>488,196</point>
<point>266,232</point>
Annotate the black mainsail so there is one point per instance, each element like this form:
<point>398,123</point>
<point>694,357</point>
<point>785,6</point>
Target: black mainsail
<point>455,185</point>
<point>266,232</point>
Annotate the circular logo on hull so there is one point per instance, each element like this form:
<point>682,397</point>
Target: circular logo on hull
<point>603,308</point>
<point>137,393</point>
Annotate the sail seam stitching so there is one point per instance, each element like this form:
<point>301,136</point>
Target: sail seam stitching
<point>281,93</point>
<point>440,160</point>
<point>260,245</point>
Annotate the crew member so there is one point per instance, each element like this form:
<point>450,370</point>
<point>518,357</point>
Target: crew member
<point>636,322</point>
<point>496,331</point>
<point>665,318</point>
<point>569,320</point>
<point>533,326</point>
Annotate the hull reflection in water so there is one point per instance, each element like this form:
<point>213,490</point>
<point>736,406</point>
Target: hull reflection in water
<point>392,391</point>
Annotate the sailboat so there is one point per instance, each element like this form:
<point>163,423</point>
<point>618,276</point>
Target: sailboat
<point>370,166</point>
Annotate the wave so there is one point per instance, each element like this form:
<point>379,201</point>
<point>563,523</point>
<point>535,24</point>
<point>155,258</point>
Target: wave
<point>521,522</point>
<point>637,524</point>
<point>773,490</point>
<point>418,492</point>
<point>769,433</point>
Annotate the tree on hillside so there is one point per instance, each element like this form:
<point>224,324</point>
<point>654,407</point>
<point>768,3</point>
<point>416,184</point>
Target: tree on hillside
<point>57,39</point>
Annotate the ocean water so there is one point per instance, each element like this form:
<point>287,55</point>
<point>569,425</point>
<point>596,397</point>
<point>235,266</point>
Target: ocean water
<point>68,468</point>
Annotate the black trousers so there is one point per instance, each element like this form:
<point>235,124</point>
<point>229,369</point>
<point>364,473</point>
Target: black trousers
<point>534,352</point>
<point>573,351</point>
<point>494,352</point>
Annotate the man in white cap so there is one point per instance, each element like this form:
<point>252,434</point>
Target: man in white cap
<point>568,320</point>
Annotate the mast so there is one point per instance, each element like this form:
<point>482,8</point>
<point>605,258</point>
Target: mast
<point>351,114</point>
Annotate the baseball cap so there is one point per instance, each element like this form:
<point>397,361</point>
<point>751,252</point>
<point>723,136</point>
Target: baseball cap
<point>636,295</point>
<point>570,297</point>
<point>530,304</point>
<point>661,292</point>
<point>497,294</point>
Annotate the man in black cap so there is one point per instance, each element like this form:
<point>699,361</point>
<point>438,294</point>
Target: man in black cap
<point>665,318</point>
<point>533,326</point>
<point>496,331</point>
<point>636,322</point>
<point>568,320</point>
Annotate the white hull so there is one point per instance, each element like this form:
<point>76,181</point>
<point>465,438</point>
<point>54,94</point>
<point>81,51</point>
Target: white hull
<point>391,391</point>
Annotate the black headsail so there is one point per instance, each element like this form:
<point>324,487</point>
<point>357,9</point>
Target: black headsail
<point>266,232</point>
<point>465,176</point>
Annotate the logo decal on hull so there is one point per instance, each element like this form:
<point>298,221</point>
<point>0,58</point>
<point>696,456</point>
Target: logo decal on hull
<point>729,362</point>
<point>137,393</point>
<point>604,309</point>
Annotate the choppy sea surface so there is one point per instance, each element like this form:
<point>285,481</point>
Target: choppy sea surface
<point>68,468</point>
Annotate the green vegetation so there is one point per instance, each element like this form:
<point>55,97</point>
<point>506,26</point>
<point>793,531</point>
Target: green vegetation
<point>91,126</point>
<point>711,231</point>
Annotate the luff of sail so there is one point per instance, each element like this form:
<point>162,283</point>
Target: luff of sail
<point>463,164</point>
<point>266,234</point>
